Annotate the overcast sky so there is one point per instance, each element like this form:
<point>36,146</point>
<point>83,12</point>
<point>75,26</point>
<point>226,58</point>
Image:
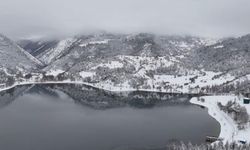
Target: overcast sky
<point>23,18</point>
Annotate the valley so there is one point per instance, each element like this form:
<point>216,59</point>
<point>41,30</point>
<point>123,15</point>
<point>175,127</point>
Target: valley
<point>120,63</point>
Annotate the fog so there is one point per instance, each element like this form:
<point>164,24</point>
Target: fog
<point>210,18</point>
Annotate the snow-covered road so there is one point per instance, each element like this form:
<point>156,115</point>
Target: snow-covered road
<point>229,131</point>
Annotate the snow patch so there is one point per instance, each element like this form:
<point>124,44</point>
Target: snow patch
<point>54,72</point>
<point>85,74</point>
<point>219,46</point>
<point>95,42</point>
<point>184,45</point>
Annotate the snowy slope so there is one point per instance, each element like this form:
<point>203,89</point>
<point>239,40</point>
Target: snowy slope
<point>52,54</point>
<point>110,45</point>
<point>230,55</point>
<point>147,61</point>
<point>14,57</point>
<point>150,61</point>
<point>37,46</point>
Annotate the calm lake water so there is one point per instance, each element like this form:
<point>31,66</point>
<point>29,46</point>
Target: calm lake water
<point>46,118</point>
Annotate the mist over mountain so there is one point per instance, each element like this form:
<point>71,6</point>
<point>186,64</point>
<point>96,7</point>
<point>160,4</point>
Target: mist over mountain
<point>208,18</point>
<point>109,45</point>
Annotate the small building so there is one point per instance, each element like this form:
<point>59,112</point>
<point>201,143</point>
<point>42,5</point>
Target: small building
<point>242,141</point>
<point>211,139</point>
<point>246,100</point>
<point>244,97</point>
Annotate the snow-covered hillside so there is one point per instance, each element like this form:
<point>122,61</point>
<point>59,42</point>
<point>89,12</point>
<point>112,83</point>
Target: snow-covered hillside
<point>230,131</point>
<point>82,47</point>
<point>230,55</point>
<point>37,46</point>
<point>52,54</point>
<point>149,62</point>
<point>14,57</point>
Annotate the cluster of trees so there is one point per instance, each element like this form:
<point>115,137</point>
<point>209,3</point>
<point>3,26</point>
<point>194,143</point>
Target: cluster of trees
<point>215,146</point>
<point>237,112</point>
<point>236,87</point>
<point>116,75</point>
<point>170,70</point>
<point>45,77</point>
<point>219,88</point>
<point>137,82</point>
<point>5,79</point>
<point>59,77</point>
<point>10,81</point>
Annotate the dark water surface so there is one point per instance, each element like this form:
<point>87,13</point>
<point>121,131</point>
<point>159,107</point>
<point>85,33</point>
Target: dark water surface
<point>46,118</point>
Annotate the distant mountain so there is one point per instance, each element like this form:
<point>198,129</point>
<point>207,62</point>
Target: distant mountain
<point>15,58</point>
<point>145,61</point>
<point>36,47</point>
<point>14,61</point>
<point>70,51</point>
<point>142,60</point>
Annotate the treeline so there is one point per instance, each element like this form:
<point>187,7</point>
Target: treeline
<point>237,87</point>
<point>215,146</point>
<point>237,112</point>
<point>6,80</point>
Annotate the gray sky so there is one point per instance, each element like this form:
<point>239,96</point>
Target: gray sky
<point>214,18</point>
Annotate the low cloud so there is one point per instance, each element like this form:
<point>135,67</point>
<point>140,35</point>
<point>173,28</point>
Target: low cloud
<point>214,18</point>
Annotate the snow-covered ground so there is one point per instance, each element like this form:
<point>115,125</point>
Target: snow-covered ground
<point>219,46</point>
<point>229,131</point>
<point>156,73</point>
<point>50,55</point>
<point>54,72</point>
<point>201,81</point>
<point>105,41</point>
<point>85,74</point>
<point>184,83</point>
<point>146,62</point>
<point>191,83</point>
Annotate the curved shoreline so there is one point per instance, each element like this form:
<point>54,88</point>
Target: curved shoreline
<point>111,89</point>
<point>229,130</point>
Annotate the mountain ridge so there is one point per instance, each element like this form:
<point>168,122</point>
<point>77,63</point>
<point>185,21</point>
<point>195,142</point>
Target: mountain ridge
<point>144,61</point>
<point>13,56</point>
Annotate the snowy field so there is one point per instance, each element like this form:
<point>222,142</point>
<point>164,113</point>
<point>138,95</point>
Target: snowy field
<point>229,131</point>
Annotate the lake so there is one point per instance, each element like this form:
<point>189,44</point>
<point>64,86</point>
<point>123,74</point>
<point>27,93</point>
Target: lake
<point>69,117</point>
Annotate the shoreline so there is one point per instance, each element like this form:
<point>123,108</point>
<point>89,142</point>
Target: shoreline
<point>229,131</point>
<point>228,128</point>
<point>215,113</point>
<point>111,89</point>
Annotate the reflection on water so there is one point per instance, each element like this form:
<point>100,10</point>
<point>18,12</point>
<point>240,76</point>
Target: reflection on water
<point>101,99</point>
<point>8,96</point>
<point>62,117</point>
